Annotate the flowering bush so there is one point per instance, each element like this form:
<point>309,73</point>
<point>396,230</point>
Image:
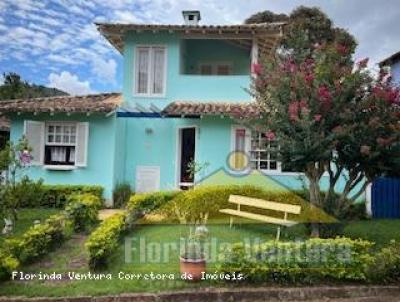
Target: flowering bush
<point>328,114</point>
<point>83,210</point>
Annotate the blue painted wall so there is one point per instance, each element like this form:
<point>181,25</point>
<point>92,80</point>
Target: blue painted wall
<point>182,86</point>
<point>101,151</point>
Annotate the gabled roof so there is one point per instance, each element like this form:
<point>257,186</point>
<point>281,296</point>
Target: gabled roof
<point>197,109</point>
<point>390,60</point>
<point>104,102</point>
<point>267,33</point>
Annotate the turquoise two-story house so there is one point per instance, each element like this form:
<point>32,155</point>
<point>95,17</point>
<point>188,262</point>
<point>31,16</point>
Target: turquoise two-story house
<point>185,95</point>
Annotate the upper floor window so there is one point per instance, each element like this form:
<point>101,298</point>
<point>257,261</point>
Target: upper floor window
<point>150,70</point>
<point>215,68</point>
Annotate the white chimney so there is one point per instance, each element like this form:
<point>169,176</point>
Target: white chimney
<point>191,17</point>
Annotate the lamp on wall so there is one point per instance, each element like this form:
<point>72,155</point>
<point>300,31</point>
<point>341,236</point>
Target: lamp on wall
<point>148,131</point>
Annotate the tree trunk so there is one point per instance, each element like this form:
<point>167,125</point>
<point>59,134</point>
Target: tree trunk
<point>315,199</point>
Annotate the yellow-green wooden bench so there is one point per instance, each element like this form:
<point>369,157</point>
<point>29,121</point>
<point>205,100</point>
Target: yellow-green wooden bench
<point>283,208</point>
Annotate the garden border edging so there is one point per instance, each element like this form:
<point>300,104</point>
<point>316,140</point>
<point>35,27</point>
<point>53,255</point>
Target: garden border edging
<point>246,294</point>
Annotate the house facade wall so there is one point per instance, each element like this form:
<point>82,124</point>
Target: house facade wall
<point>395,71</point>
<point>101,151</point>
<point>181,86</point>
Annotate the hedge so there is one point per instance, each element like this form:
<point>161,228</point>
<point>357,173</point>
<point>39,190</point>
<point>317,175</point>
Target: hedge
<point>103,241</point>
<point>83,210</point>
<point>386,266</point>
<point>141,204</point>
<point>8,263</point>
<point>302,262</point>
<point>40,239</point>
<point>58,195</point>
<point>191,204</point>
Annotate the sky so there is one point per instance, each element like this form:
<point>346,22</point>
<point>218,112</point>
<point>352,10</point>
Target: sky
<point>55,43</point>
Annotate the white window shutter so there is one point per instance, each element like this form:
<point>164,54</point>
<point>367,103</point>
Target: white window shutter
<point>34,133</point>
<point>82,142</point>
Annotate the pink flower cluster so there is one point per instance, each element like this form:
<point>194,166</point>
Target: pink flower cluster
<point>325,97</point>
<point>25,157</point>
<point>296,107</point>
<point>256,69</point>
<point>390,94</point>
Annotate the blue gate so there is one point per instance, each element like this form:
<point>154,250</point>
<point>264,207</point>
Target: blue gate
<point>385,197</point>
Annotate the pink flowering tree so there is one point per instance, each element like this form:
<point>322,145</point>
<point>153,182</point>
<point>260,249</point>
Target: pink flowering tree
<point>328,113</point>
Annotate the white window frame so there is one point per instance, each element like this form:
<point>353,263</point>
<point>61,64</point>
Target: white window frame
<point>258,159</point>
<point>55,144</point>
<point>278,171</point>
<point>214,67</point>
<point>151,48</point>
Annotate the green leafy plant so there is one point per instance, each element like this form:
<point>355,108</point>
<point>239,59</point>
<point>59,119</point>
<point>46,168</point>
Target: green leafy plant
<point>40,239</point>
<point>103,241</point>
<point>121,194</point>
<point>300,262</point>
<point>204,202</point>
<point>386,267</point>
<point>141,204</point>
<point>83,210</point>
<point>8,263</point>
<point>58,195</point>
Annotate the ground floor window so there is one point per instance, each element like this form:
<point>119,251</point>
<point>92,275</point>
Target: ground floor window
<point>260,152</point>
<point>263,152</point>
<point>60,144</point>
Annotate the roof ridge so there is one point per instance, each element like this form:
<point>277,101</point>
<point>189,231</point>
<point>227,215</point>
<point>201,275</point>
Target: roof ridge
<point>55,97</point>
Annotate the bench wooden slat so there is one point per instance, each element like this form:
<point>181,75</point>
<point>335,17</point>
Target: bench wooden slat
<point>259,217</point>
<point>264,204</point>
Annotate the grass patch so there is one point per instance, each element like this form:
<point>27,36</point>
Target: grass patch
<point>71,257</point>
<point>26,218</point>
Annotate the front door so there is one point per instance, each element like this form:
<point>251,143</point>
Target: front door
<point>187,153</point>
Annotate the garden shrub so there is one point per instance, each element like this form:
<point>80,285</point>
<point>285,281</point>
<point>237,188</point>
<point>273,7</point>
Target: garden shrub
<point>83,210</point>
<point>191,205</point>
<point>58,195</point>
<point>8,263</point>
<point>26,192</point>
<point>300,262</point>
<point>121,195</point>
<point>40,239</point>
<point>386,267</point>
<point>141,204</point>
<point>103,241</point>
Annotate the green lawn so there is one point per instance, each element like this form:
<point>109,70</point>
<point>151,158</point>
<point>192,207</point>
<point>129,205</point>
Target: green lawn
<point>162,256</point>
<point>26,217</point>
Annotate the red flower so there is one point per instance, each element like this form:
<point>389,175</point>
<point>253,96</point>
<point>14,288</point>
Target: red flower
<point>270,135</point>
<point>363,63</point>
<point>309,78</point>
<point>256,69</point>
<point>317,117</point>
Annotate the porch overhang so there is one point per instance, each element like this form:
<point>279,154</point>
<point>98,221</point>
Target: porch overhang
<point>185,109</point>
<point>265,35</point>
<point>95,103</point>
